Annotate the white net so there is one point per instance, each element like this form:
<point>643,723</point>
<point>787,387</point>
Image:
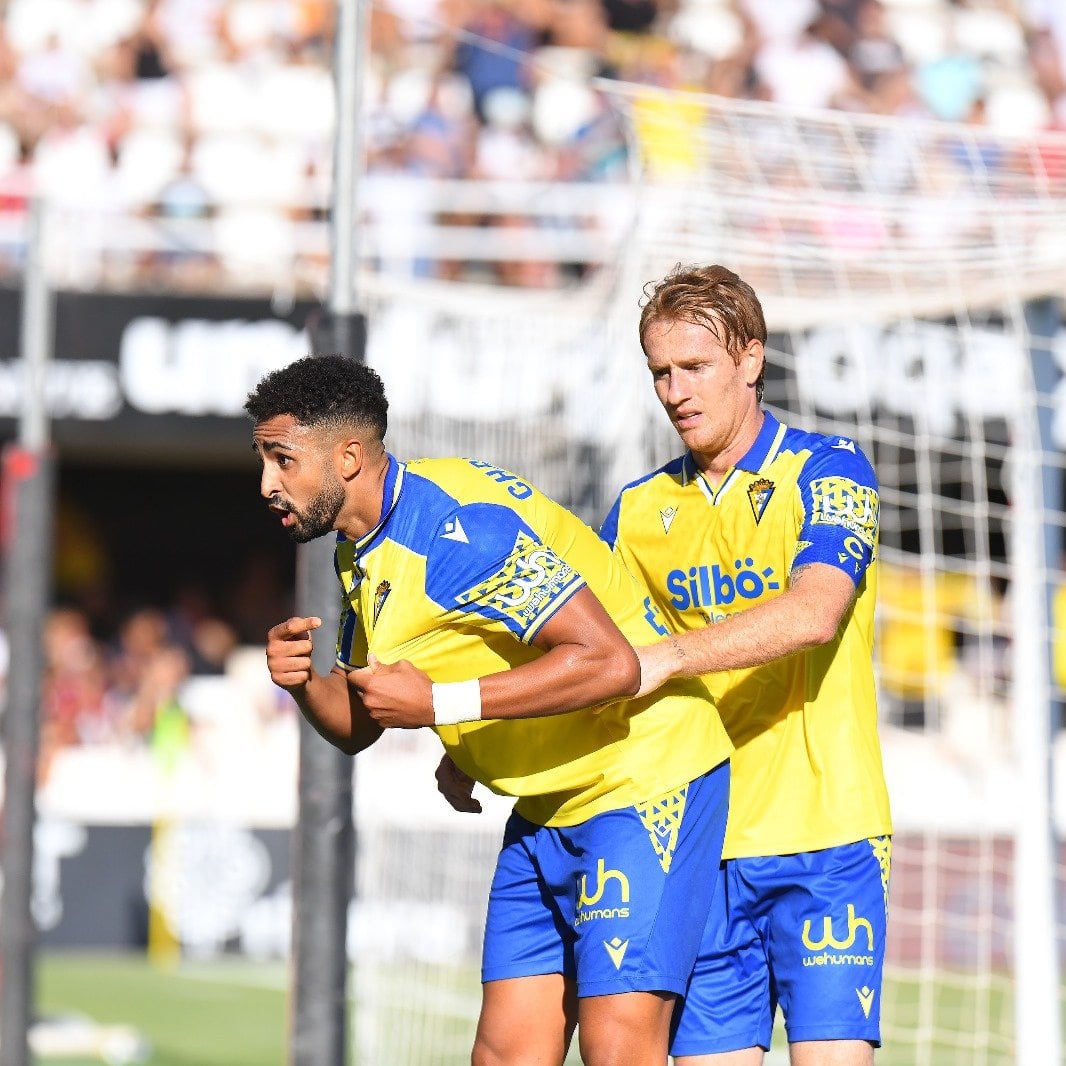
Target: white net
<point>905,268</point>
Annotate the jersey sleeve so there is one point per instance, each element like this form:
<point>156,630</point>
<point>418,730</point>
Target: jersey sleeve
<point>488,564</point>
<point>841,508</point>
<point>609,528</point>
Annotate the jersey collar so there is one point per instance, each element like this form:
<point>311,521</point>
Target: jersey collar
<point>765,447</point>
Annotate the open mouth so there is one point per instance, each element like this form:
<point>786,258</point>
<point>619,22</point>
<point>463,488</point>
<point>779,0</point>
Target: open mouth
<point>286,516</point>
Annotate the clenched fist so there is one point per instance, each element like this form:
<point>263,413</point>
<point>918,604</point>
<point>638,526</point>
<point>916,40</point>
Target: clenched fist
<point>288,652</point>
<point>396,695</point>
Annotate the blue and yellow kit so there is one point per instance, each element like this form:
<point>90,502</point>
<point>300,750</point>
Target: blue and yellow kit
<point>465,566</point>
<point>807,770</point>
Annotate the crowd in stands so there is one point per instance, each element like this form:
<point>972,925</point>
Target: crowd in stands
<point>159,681</point>
<point>222,111</point>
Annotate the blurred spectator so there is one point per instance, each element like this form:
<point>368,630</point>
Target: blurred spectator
<point>493,52</point>
<point>631,16</point>
<point>149,46</point>
<point>76,708</point>
<point>804,71</point>
<point>155,712</point>
<point>221,111</point>
<point>141,636</point>
<point>872,51</point>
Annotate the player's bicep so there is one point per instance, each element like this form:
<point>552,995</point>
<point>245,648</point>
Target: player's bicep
<point>824,592</point>
<point>583,622</point>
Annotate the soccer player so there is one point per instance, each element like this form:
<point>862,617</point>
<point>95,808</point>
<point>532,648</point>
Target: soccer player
<point>759,545</point>
<point>473,604</point>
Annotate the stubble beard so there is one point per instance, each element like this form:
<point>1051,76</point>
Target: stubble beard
<point>319,517</point>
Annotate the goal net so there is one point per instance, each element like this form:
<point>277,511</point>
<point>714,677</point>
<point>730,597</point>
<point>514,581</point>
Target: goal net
<point>908,271</point>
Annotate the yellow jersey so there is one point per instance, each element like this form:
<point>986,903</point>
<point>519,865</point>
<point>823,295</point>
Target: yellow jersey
<point>807,772</point>
<point>466,565</point>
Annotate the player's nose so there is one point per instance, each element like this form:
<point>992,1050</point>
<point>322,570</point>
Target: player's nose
<point>677,390</point>
<point>268,483</point>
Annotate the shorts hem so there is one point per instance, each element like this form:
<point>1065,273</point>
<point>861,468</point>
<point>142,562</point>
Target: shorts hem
<point>803,1033</point>
<point>513,975</point>
<point>640,983</point>
<point>721,1045</point>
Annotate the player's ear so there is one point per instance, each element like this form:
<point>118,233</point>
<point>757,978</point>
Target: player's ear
<point>752,359</point>
<point>348,456</point>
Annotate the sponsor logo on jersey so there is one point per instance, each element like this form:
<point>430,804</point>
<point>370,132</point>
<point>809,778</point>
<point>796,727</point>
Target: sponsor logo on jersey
<point>653,617</point>
<point>381,594</point>
<point>759,493</point>
<point>668,514</point>
<point>839,501</point>
<point>712,586</point>
<point>844,445</point>
<point>527,583</point>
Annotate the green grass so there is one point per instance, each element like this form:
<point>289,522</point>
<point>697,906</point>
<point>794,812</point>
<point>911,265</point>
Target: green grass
<point>234,1012</point>
<point>218,1014</point>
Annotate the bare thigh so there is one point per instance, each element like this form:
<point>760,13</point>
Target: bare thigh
<point>749,1056</point>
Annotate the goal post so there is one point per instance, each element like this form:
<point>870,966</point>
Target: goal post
<point>908,271</point>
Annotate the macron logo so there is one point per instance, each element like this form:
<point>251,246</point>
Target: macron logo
<point>453,530</point>
<point>616,948</point>
<point>866,999</point>
<point>845,445</point>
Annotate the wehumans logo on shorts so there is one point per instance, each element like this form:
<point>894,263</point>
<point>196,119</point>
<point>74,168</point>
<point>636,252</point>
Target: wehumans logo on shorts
<point>586,909</point>
<point>829,941</point>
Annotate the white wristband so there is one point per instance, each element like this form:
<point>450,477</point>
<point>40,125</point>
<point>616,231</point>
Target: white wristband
<point>456,701</point>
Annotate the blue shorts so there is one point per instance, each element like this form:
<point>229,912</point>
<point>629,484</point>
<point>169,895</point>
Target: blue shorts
<point>617,903</point>
<point>806,931</point>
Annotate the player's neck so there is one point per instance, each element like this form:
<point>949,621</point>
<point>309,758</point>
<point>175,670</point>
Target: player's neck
<point>716,466</point>
<point>366,503</point>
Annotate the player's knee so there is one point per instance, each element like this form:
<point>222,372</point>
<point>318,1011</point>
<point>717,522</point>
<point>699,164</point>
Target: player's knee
<point>625,1030</point>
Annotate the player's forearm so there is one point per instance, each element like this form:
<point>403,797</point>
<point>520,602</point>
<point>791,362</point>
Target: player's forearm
<point>336,713</point>
<point>565,678</point>
<point>796,621</point>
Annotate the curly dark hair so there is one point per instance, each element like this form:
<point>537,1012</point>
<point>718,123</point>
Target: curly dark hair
<point>323,390</point>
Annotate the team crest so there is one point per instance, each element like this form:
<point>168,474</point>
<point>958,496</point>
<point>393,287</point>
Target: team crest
<point>381,594</point>
<point>759,493</point>
<point>668,514</point>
